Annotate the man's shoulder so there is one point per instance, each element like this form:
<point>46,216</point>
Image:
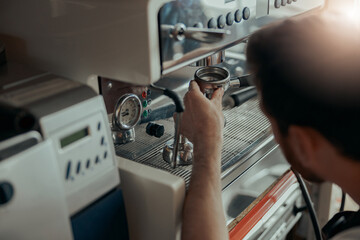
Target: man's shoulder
<point>349,234</point>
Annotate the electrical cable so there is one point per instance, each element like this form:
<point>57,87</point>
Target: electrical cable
<point>309,205</point>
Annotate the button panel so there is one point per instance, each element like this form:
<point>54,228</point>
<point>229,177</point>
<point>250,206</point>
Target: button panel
<point>84,164</point>
<point>222,21</point>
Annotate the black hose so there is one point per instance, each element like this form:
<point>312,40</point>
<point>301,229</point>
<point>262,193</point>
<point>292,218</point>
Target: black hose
<point>179,107</point>
<point>309,205</point>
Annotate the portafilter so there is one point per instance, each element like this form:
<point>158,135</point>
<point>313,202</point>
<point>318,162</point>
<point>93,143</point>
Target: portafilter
<point>210,78</point>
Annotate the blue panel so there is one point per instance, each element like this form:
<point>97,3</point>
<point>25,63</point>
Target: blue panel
<point>105,219</point>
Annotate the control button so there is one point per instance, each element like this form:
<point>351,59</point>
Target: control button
<point>105,154</point>
<point>99,126</point>
<point>289,1</point>
<point>148,92</point>
<point>283,2</point>
<point>198,25</point>
<point>221,21</point>
<point>154,129</point>
<point>144,103</point>
<point>145,114</point>
<point>277,3</point>
<point>149,101</point>
<point>6,192</point>
<point>246,13</point>
<point>238,16</point>
<point>88,163</point>
<point>97,159</point>
<point>144,94</point>
<point>212,23</point>
<point>102,140</point>
<point>78,167</point>
<point>68,169</point>
<point>229,19</point>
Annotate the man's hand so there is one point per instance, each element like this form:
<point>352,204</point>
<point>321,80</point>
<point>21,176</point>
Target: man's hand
<point>202,120</point>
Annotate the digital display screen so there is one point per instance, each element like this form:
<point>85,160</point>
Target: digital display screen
<point>74,137</point>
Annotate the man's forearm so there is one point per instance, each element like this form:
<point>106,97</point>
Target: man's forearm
<point>203,215</point>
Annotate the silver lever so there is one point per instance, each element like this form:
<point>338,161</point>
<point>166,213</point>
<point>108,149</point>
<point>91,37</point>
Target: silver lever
<point>179,32</point>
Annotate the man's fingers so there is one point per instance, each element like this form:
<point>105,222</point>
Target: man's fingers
<point>194,86</point>
<point>217,95</point>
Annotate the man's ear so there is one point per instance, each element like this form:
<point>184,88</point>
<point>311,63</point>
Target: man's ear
<point>304,143</point>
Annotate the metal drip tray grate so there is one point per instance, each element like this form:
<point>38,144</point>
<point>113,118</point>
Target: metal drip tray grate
<point>246,126</point>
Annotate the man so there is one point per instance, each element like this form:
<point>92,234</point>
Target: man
<point>307,72</point>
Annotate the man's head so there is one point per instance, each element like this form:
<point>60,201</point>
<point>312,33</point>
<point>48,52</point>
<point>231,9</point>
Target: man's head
<point>308,75</point>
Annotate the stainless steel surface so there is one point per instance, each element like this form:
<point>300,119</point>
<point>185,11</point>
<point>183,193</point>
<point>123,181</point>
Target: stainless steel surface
<point>242,18</point>
<point>121,136</point>
<point>213,59</point>
<point>185,152</point>
<point>246,129</point>
<point>180,32</point>
<point>176,140</point>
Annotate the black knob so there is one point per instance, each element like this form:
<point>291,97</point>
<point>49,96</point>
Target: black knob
<point>6,192</point>
<point>154,129</point>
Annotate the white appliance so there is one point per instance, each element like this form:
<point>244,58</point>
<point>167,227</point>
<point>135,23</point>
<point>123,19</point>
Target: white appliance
<point>74,118</point>
<point>32,198</point>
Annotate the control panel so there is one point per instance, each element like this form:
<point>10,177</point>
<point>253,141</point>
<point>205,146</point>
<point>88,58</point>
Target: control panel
<point>84,148</point>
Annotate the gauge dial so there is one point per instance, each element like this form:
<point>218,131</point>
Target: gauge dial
<point>127,111</point>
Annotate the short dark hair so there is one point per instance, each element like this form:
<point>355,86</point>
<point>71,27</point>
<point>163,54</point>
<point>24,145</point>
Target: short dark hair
<point>308,73</point>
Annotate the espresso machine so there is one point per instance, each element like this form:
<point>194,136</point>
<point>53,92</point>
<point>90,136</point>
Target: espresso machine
<point>140,56</point>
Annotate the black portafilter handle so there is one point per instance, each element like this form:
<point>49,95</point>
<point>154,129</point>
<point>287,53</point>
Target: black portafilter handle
<point>242,96</point>
<point>242,81</point>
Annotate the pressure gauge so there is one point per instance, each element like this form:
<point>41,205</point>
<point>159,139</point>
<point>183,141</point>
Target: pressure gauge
<point>127,111</point>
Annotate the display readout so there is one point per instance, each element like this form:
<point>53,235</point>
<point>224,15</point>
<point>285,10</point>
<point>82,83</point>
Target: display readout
<point>74,137</point>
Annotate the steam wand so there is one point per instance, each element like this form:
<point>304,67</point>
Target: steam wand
<point>179,109</point>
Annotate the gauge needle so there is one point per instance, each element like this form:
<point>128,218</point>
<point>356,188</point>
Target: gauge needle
<point>125,113</point>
